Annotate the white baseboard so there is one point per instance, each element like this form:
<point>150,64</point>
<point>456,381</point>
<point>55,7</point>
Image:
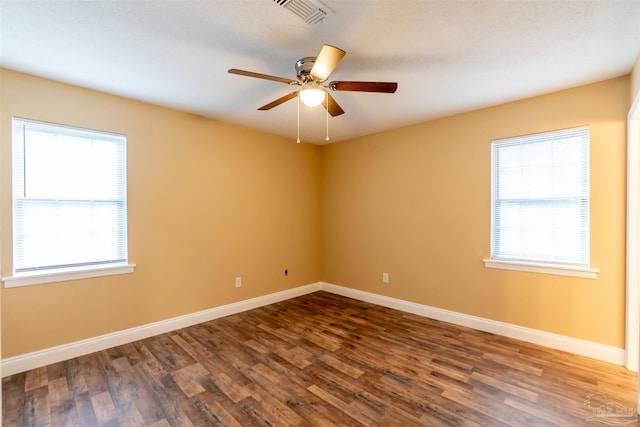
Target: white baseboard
<point>36,359</point>
<point>559,342</point>
<point>25,362</point>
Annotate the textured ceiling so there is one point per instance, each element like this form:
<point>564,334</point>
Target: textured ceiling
<point>447,56</point>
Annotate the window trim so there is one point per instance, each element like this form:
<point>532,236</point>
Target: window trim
<point>35,276</point>
<point>538,266</point>
<point>63,275</point>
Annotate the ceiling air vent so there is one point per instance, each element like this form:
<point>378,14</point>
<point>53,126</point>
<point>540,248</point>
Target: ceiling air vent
<point>310,11</point>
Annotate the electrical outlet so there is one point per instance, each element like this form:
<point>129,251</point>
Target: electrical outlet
<point>385,277</point>
<point>238,282</point>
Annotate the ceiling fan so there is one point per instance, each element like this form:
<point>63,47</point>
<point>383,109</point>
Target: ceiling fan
<point>312,72</point>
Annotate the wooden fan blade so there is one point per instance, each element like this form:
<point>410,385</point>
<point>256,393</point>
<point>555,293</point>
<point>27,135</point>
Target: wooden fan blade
<point>262,76</point>
<point>333,108</point>
<point>385,87</point>
<point>326,62</point>
<point>279,101</point>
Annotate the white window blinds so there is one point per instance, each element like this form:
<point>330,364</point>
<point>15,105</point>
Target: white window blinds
<point>540,197</point>
<point>69,197</point>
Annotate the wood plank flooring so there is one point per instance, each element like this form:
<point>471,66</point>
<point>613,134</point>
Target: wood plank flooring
<point>320,360</point>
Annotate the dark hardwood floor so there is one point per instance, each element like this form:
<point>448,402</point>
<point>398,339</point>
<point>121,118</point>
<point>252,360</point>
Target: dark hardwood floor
<point>321,360</point>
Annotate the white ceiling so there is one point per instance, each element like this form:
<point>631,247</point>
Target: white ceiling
<point>447,56</point>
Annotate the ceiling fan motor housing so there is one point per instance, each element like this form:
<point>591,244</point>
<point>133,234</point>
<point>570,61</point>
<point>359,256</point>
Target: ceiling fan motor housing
<point>303,68</point>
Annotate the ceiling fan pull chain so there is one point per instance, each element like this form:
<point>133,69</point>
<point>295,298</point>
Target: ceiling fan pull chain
<point>298,141</point>
<point>326,100</point>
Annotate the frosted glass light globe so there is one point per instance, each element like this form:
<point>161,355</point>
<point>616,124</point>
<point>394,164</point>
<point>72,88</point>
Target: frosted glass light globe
<point>312,97</point>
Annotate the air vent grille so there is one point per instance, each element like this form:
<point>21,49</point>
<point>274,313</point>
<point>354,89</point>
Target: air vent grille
<point>310,11</point>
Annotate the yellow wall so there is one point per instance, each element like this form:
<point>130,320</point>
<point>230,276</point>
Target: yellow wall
<point>208,201</point>
<point>415,203</point>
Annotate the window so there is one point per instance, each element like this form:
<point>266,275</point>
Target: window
<point>540,202</point>
<point>69,201</point>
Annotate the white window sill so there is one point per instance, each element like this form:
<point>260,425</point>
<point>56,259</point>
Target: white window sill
<point>51,276</point>
<point>534,267</point>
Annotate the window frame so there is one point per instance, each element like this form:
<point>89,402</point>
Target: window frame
<point>80,269</point>
<point>547,264</point>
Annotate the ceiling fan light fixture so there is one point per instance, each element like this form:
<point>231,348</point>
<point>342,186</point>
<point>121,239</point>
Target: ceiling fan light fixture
<point>311,73</point>
<point>312,96</point>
